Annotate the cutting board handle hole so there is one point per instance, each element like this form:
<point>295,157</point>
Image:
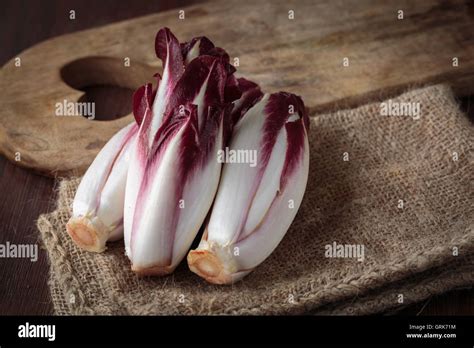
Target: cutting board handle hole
<point>107,82</point>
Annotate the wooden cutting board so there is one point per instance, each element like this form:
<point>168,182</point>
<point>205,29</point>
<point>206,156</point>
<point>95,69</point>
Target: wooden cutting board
<point>297,46</point>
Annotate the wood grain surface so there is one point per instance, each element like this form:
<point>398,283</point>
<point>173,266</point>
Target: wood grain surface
<point>301,51</point>
<point>24,195</point>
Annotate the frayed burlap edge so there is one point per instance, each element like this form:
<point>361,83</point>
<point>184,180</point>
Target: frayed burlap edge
<point>458,274</point>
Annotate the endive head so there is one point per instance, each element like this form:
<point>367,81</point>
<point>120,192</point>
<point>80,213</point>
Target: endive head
<point>255,205</point>
<point>98,202</point>
<point>173,159</point>
<point>178,187</point>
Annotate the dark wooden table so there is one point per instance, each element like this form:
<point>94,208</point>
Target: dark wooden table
<point>24,195</point>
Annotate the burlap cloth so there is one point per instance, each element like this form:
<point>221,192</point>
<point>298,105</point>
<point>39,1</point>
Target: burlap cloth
<point>408,251</point>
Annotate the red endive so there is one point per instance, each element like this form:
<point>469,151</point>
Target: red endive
<point>173,173</point>
<point>255,205</point>
<point>98,203</point>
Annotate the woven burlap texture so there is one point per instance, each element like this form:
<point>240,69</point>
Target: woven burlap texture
<point>363,165</point>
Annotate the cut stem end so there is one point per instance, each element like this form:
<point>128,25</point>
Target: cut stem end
<point>86,235</point>
<point>208,266</point>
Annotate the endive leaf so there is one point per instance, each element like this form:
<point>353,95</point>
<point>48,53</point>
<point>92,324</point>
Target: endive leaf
<point>196,47</point>
<point>168,50</point>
